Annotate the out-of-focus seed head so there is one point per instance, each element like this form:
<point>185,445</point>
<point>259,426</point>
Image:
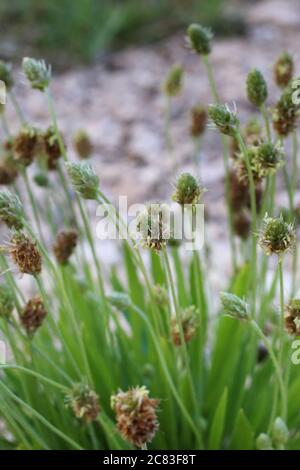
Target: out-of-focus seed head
<point>280,433</point>
<point>6,74</point>
<point>33,315</point>
<point>51,147</point>
<point>82,144</point>
<point>252,134</point>
<point>199,39</point>
<point>153,226</point>
<point>283,70</point>
<point>198,121</point>
<point>268,157</point>
<point>26,145</point>
<point>84,403</point>
<point>264,442</point>
<point>292,317</point>
<point>276,236</point>
<point>136,415</point>
<point>172,85</point>
<point>11,210</point>
<point>65,245</point>
<point>25,254</point>
<point>41,179</point>
<point>6,301</point>
<point>285,113</point>
<point>242,224</point>
<point>188,324</point>
<point>160,295</point>
<point>8,170</point>
<point>225,120</point>
<point>257,90</point>
<point>187,190</point>
<point>37,73</point>
<point>234,306</point>
<point>84,180</point>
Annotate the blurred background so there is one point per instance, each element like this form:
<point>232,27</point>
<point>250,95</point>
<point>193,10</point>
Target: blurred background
<point>71,32</point>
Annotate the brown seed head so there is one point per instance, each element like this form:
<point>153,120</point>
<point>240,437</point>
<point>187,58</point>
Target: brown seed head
<point>292,317</point>
<point>198,121</point>
<point>84,403</point>
<point>83,144</point>
<point>283,70</point>
<point>51,147</point>
<point>33,315</point>
<point>64,245</point>
<point>136,415</point>
<point>26,146</point>
<point>189,326</point>
<point>25,254</point>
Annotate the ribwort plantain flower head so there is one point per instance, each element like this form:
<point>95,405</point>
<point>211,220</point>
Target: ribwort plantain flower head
<point>264,442</point>
<point>188,325</point>
<point>199,39</point>
<point>37,73</point>
<point>234,306</point>
<point>257,90</point>
<point>283,70</point>
<point>280,433</point>
<point>172,85</point>
<point>26,145</point>
<point>136,415</point>
<point>187,190</point>
<point>223,119</point>
<point>6,301</point>
<point>33,315</point>
<point>292,317</point>
<point>25,254</point>
<point>82,144</point>
<point>84,180</point>
<point>198,121</point>
<point>160,295</point>
<point>268,157</point>
<point>6,74</point>
<point>51,147</point>
<point>285,113</point>
<point>276,236</point>
<point>41,179</point>
<point>84,403</point>
<point>11,210</point>
<point>152,226</point>
<point>8,170</point>
<point>65,245</point>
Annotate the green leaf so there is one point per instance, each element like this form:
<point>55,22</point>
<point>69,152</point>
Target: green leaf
<point>243,434</point>
<point>217,427</point>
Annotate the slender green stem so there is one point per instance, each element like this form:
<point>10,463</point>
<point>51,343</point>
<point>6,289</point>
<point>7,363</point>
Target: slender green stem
<point>264,113</point>
<point>179,323</point>
<point>253,215</point>
<point>225,153</point>
<point>17,107</point>
<point>276,365</point>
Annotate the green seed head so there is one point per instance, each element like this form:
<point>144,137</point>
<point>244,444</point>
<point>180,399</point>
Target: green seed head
<point>264,442</point>
<point>257,90</point>
<point>172,85</point>
<point>268,157</point>
<point>42,180</point>
<point>200,38</point>
<point>283,70</point>
<point>153,226</point>
<point>11,210</point>
<point>187,190</point>
<point>6,75</point>
<point>223,119</point>
<point>280,433</point>
<point>84,403</point>
<point>6,301</point>
<point>234,306</point>
<point>277,236</point>
<point>37,73</point>
<point>84,180</point>
<point>286,112</point>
